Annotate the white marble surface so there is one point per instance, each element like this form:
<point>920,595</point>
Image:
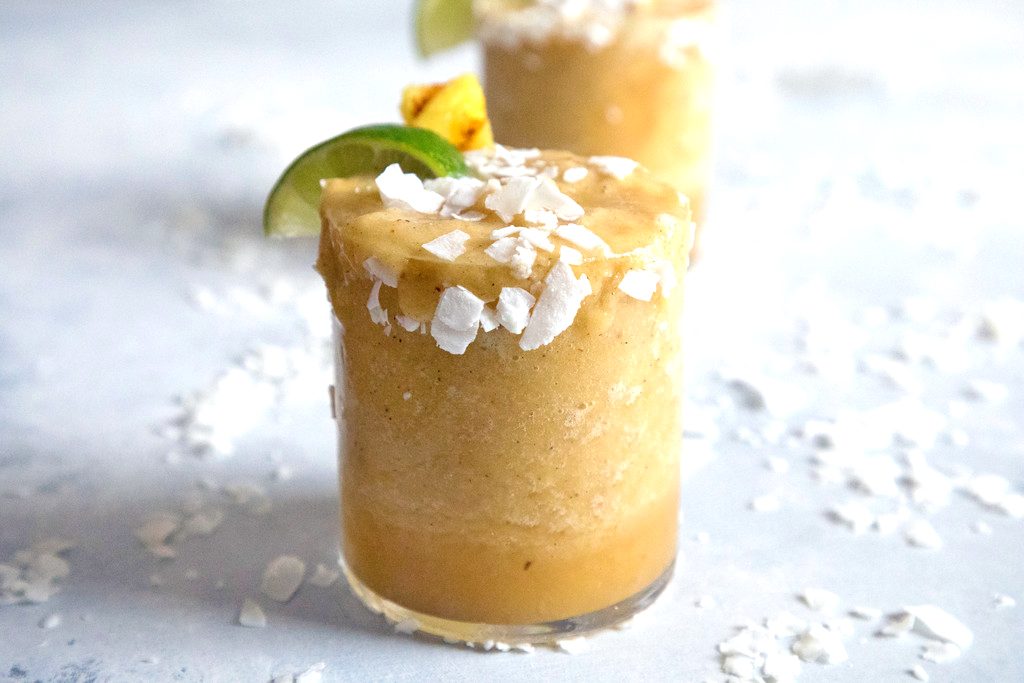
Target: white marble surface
<point>866,199</point>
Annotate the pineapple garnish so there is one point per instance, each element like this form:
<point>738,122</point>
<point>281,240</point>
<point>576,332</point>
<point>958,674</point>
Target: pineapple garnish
<point>455,110</point>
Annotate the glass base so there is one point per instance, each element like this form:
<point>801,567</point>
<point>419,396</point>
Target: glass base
<point>506,636</point>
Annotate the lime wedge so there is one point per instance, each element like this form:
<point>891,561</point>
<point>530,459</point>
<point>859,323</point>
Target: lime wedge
<point>292,208</point>
<point>442,24</point>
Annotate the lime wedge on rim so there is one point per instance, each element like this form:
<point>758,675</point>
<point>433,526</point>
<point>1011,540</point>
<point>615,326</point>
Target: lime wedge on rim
<point>442,24</point>
<point>292,208</point>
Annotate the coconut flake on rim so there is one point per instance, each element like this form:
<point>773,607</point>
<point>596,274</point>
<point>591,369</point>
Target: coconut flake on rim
<point>448,246</point>
<point>400,190</point>
<point>556,308</point>
<point>618,167</point>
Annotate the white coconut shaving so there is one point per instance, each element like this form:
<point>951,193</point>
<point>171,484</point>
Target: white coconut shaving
<point>449,246</point>
<point>282,577</point>
<point>251,615</point>
<point>539,238</point>
<point>33,575</point>
<point>918,672</point>
<point>569,255</point>
<point>503,248</point>
<point>523,257</point>
<point>379,271</point>
<point>556,308</point>
<point>573,646</point>
<point>921,534</point>
<point>314,674</point>
<point>819,599</point>
<point>456,319</point>
<point>489,319</point>
<point>934,622</point>
<point>323,576</point>
<point>406,323</point>
<point>532,193</point>
<point>575,174</point>
<point>582,237</point>
<point>618,167</point>
<point>639,284</point>
<point>400,190</point>
<point>820,645</point>
<point>459,195</point>
<point>513,310</point>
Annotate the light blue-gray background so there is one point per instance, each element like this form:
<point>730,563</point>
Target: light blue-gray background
<point>868,153</point>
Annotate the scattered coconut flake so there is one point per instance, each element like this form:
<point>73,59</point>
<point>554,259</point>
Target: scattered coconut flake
<point>538,238</point>
<point>542,217</point>
<point>459,308</point>
<point>866,613</point>
<point>507,231</point>
<point>452,340</point>
<point>571,256</point>
<point>819,599</point>
<point>575,174</point>
<point>739,666</point>
<point>459,193</point>
<point>781,667</point>
<point>449,246</point>
<point>897,626</point>
<point>400,190</point>
<point>314,674</point>
<point>50,622</point>
<point>523,258</point>
<point>986,390</point>
<point>935,622</point>
<point>378,271</point>
<point>525,648</point>
<point>639,284</point>
<point>583,237</point>
<point>918,672</point>
<point>203,523</point>
<point>855,515</point>
<point>323,576</point>
<point>251,614</point>
<point>1001,601</point>
<point>573,646</point>
<point>156,531</point>
<point>1012,505</point>
<point>921,534</point>
<point>555,309</point>
<point>939,652</point>
<point>406,323</point>
<point>503,249</point>
<point>619,167</point>
<point>406,396</point>
<point>821,646</point>
<point>282,577</point>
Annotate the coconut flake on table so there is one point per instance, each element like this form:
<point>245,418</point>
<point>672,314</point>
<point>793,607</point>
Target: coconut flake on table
<point>400,190</point>
<point>934,622</point>
<point>618,167</point>
<point>251,615</point>
<point>556,308</point>
<point>854,514</point>
<point>1002,601</point>
<point>819,599</point>
<point>940,652</point>
<point>918,672</point>
<point>323,576</point>
<point>282,577</point>
<point>820,645</point>
<point>514,304</point>
<point>639,284</point>
<point>573,646</point>
<point>897,626</point>
<point>449,246</point>
<point>866,613</point>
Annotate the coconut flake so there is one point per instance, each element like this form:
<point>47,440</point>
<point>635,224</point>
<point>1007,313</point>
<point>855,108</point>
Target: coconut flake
<point>459,194</point>
<point>940,652</point>
<point>451,340</point>
<point>314,674</point>
<point>918,672</point>
<point>538,238</point>
<point>251,614</point>
<point>619,167</point>
<point>514,304</point>
<point>512,198</point>
<point>449,246</point>
<point>377,314</point>
<point>406,323</point>
<point>503,249</point>
<point>542,217</point>
<point>556,309</point>
<point>573,646</point>
<point>583,237</point>
<point>937,623</point>
<point>639,284</point>
<point>819,599</point>
<point>400,190</point>
<point>575,174</point>
<point>571,256</point>
<point>765,503</point>
<point>282,577</point>
<point>921,534</point>
<point>820,645</point>
<point>323,576</point>
<point>523,258</point>
<point>489,319</point>
<point>379,271</point>
<point>897,626</point>
<point>459,308</point>
<point>781,667</point>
